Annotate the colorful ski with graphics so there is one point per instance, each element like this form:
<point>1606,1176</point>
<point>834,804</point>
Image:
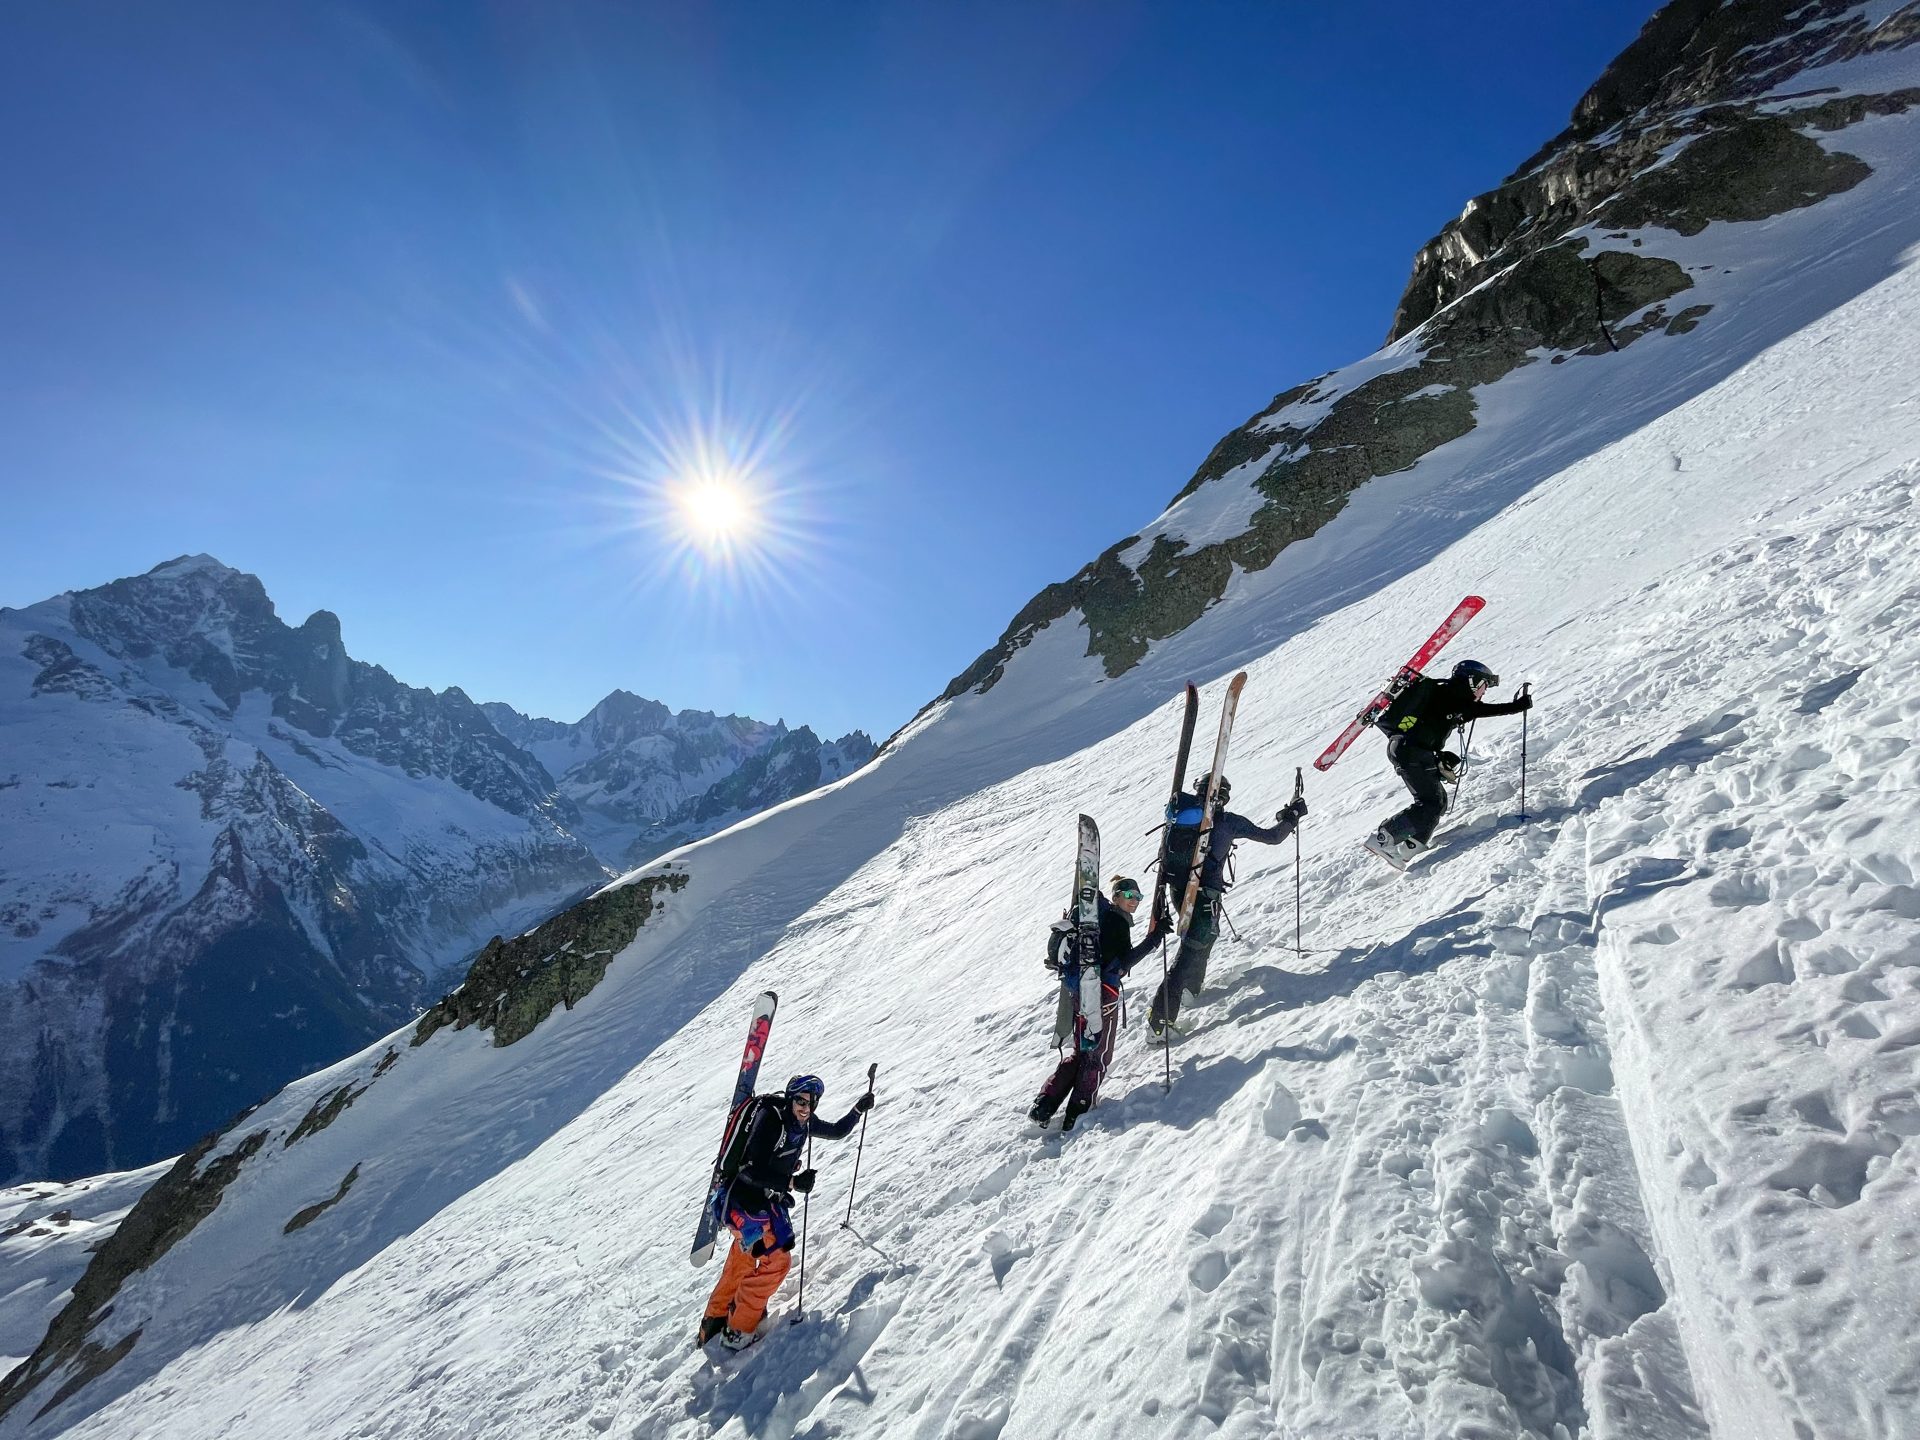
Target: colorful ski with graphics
<point>708,1233</point>
<point>1086,931</point>
<point>1189,715</point>
<point>1228,708</point>
<point>1409,672</point>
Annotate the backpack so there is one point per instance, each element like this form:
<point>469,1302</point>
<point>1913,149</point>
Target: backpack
<point>1180,840</point>
<point>1058,939</point>
<point>733,1143</point>
<point>1404,713</point>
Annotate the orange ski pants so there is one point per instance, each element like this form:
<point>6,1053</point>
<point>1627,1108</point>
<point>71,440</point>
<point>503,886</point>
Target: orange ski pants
<point>746,1285</point>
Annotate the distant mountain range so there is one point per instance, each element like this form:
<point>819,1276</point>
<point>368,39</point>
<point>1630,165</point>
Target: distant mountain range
<point>230,853</point>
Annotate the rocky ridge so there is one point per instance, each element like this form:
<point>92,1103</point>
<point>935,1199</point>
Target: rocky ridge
<point>1683,129</point>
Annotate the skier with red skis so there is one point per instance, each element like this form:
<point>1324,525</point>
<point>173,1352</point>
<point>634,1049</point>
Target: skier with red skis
<point>1084,1057</point>
<point>1184,834</point>
<point>759,1156</point>
<point>1419,723</point>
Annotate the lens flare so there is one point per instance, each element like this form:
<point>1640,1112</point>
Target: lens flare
<point>716,511</point>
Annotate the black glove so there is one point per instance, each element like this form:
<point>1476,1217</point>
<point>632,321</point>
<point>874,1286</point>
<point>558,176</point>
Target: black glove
<point>803,1182</point>
<point>1296,810</point>
<point>1524,703</point>
<point>864,1103</point>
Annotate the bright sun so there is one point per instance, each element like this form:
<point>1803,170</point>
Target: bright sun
<point>716,511</point>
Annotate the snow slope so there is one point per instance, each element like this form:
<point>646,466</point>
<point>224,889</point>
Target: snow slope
<point>1593,1125</point>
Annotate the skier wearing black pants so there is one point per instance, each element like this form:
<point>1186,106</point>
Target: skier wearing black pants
<point>1076,1079</point>
<point>1189,972</point>
<point>1420,723</point>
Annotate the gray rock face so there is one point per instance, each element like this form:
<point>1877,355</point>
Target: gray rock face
<point>1550,263</point>
<point>644,779</point>
<point>1688,80</point>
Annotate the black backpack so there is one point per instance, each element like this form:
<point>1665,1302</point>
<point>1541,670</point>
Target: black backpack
<point>1404,713</point>
<point>733,1144</point>
<point>1058,939</point>
<point>1180,841</point>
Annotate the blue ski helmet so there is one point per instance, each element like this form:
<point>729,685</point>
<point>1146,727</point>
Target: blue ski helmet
<point>808,1085</point>
<point>1474,673</point>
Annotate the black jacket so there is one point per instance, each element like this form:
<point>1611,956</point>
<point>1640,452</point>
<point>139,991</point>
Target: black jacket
<point>1440,707</point>
<point>1118,952</point>
<point>775,1140</point>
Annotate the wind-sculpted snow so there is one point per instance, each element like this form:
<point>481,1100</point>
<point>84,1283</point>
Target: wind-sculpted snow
<point>1598,1125</point>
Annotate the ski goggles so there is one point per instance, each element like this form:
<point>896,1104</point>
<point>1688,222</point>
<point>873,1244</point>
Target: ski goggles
<point>1127,892</point>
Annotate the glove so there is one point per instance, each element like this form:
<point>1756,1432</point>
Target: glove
<point>1524,703</point>
<point>1296,810</point>
<point>862,1105</point>
<point>803,1182</point>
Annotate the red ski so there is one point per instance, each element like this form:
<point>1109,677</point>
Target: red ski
<point>1410,672</point>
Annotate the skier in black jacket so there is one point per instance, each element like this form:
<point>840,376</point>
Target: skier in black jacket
<point>1076,1079</point>
<point>1189,970</point>
<point>1419,725</point>
<point>755,1206</point>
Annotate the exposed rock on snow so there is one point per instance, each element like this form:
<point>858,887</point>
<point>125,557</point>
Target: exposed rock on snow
<point>514,984</point>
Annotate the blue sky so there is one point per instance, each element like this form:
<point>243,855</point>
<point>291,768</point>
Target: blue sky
<point>416,310</point>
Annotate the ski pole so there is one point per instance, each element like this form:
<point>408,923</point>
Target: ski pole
<point>1525,686</point>
<point>1166,1045</point>
<point>1299,791</point>
<point>847,1223</point>
<point>800,1305</point>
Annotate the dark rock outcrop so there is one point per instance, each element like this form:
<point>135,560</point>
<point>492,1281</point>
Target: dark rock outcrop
<point>514,984</point>
<point>159,1220</point>
<point>305,1217</point>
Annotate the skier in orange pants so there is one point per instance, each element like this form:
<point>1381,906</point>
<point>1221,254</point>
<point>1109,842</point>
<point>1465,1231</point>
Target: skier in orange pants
<point>773,1133</point>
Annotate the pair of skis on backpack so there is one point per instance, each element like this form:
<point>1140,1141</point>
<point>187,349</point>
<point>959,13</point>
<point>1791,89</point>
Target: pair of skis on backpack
<point>1397,852</point>
<point>1086,873</point>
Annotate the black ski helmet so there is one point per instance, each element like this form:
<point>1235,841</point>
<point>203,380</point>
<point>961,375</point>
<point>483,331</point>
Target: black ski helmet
<point>1474,673</point>
<point>809,1085</point>
<point>1220,792</point>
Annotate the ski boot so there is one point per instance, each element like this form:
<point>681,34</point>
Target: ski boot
<point>737,1339</point>
<point>710,1326</point>
<point>1074,1111</point>
<point>1396,852</point>
<point>1041,1113</point>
